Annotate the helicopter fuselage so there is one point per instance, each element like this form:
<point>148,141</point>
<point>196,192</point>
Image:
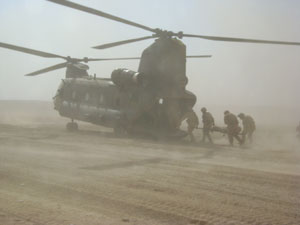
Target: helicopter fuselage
<point>88,99</point>
<point>150,100</point>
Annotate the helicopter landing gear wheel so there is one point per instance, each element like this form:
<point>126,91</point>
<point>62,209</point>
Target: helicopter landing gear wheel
<point>72,126</point>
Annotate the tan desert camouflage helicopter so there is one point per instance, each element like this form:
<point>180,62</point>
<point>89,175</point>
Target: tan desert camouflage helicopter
<point>152,100</point>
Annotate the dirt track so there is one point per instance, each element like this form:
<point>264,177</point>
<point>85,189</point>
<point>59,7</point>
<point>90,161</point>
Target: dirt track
<point>49,176</point>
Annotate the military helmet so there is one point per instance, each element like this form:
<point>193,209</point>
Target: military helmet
<point>203,109</point>
<point>241,115</point>
<point>226,112</point>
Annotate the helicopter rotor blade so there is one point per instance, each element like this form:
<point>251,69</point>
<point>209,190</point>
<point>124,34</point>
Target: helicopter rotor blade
<point>100,13</point>
<point>198,56</point>
<point>229,39</point>
<point>30,51</point>
<point>159,32</point>
<point>48,69</point>
<point>62,65</point>
<point>112,59</point>
<point>137,58</point>
<point>113,44</point>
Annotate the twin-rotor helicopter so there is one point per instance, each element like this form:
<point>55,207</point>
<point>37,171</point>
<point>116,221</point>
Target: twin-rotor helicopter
<point>152,100</point>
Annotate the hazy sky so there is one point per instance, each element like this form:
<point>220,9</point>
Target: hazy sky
<point>247,74</point>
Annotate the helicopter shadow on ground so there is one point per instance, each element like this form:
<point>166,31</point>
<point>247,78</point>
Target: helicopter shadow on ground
<point>149,141</point>
<point>111,134</point>
<point>96,133</point>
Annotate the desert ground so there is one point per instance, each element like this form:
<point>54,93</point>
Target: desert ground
<point>50,176</point>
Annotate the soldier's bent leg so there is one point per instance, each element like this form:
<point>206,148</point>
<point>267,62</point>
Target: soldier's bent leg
<point>209,138</point>
<point>250,136</point>
<point>190,132</point>
<point>230,138</point>
<point>239,139</point>
<point>203,135</point>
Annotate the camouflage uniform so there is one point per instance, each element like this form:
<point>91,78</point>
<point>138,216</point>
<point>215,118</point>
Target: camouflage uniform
<point>192,122</point>
<point>248,127</point>
<point>208,123</point>
<point>233,128</point>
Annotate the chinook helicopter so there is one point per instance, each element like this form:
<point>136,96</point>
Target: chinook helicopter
<point>152,100</point>
<point>101,101</point>
<point>155,97</point>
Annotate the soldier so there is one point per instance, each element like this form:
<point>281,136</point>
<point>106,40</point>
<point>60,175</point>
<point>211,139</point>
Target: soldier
<point>192,121</point>
<point>233,128</point>
<point>208,123</point>
<point>248,127</point>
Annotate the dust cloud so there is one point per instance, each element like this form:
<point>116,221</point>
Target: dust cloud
<point>91,177</point>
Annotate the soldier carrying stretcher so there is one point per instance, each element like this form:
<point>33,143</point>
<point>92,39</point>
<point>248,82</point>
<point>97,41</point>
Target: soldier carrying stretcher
<point>233,128</point>
<point>208,123</point>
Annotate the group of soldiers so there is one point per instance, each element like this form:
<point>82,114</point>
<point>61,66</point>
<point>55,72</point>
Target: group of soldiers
<point>233,130</point>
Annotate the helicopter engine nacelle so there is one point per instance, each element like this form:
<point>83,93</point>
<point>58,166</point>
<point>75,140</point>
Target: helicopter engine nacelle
<point>125,77</point>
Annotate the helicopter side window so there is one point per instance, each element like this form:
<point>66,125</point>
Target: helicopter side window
<point>65,92</point>
<point>101,99</point>
<point>94,97</point>
<point>87,97</point>
<point>74,95</point>
<point>117,102</point>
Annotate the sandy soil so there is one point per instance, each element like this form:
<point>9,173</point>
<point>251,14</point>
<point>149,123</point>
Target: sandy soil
<point>49,176</point>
